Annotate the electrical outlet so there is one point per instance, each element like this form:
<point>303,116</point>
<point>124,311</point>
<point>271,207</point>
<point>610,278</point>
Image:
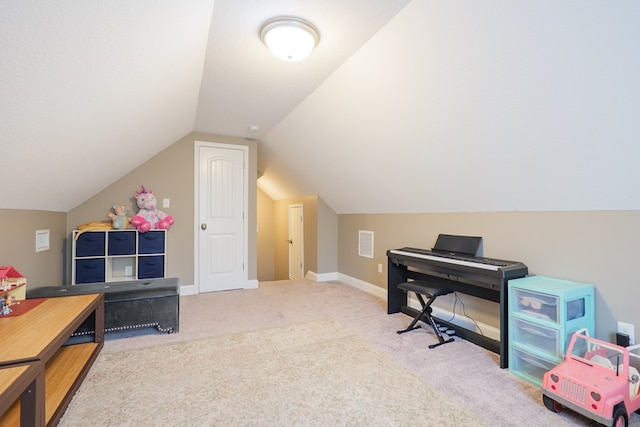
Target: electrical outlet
<point>128,271</point>
<point>379,268</point>
<point>627,329</point>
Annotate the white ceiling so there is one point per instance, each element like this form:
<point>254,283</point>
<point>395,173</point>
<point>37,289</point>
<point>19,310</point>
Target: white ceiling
<point>91,89</point>
<point>244,85</point>
<point>421,106</point>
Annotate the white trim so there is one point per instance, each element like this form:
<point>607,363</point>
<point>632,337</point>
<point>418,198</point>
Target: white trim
<point>188,290</point>
<point>301,206</point>
<point>193,290</point>
<point>322,277</point>
<point>460,320</point>
<point>363,286</point>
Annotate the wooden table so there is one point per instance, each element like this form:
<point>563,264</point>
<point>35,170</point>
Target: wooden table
<point>33,355</point>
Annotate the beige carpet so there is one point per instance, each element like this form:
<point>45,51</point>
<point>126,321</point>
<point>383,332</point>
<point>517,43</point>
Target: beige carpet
<point>466,375</point>
<point>310,374</point>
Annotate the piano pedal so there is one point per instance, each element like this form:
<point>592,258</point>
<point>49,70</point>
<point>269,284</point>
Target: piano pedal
<point>450,332</point>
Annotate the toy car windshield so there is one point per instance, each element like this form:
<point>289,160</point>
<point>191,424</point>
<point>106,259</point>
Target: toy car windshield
<point>597,353</point>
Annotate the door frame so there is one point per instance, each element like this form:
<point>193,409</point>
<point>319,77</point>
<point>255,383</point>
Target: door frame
<point>301,206</point>
<point>196,211</point>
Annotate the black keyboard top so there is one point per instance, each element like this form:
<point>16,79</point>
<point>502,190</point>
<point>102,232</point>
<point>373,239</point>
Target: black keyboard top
<point>480,260</point>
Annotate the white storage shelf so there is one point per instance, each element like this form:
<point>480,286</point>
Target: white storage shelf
<point>117,255</point>
<point>543,315</point>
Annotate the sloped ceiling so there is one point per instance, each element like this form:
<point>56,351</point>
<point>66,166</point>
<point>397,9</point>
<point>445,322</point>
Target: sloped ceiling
<point>91,89</point>
<point>421,106</point>
<point>244,85</point>
<point>474,106</point>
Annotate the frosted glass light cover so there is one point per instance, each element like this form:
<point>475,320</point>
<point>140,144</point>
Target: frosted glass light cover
<point>289,39</point>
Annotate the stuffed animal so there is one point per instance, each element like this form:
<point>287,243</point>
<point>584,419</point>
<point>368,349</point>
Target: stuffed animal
<point>93,226</point>
<point>119,217</point>
<point>148,217</point>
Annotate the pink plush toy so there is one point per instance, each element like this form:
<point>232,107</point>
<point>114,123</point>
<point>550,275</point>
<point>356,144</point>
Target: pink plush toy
<point>148,217</point>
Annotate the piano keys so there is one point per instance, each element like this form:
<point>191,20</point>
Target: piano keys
<point>485,278</point>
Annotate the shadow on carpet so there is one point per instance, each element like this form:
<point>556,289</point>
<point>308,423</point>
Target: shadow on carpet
<point>312,374</point>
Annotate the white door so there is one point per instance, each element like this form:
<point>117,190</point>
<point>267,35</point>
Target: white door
<point>296,242</point>
<point>220,220</point>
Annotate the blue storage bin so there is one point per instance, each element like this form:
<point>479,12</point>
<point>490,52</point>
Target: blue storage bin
<point>151,242</point>
<point>90,243</point>
<point>90,270</point>
<point>122,243</point>
<point>150,267</point>
<point>116,255</point>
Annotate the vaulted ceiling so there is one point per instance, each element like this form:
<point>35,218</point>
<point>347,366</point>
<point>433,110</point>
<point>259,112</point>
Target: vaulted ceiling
<point>404,106</point>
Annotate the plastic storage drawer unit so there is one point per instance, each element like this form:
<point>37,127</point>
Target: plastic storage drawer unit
<point>543,314</point>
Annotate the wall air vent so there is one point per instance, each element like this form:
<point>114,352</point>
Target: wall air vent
<point>365,243</point>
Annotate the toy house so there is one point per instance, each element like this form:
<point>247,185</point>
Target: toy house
<point>12,283</point>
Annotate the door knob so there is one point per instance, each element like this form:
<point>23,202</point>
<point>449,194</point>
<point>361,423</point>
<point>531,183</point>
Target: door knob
<point>203,226</point>
<point>290,241</point>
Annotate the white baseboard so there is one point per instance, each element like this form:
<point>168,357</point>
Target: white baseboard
<point>193,290</point>
<point>322,277</point>
<point>188,290</point>
<point>463,321</point>
<point>252,284</point>
<point>363,286</point>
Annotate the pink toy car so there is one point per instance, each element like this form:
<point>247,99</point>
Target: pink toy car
<point>597,379</point>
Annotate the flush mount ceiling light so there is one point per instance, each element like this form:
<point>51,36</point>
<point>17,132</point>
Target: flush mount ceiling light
<point>288,38</point>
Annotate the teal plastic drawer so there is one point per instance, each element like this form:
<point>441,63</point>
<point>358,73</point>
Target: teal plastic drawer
<point>536,336</point>
<point>536,304</point>
<point>530,367</point>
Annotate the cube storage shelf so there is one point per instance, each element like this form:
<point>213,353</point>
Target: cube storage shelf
<point>117,255</point>
<point>543,315</point>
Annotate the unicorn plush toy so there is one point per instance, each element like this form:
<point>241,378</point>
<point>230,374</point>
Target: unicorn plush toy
<point>148,217</point>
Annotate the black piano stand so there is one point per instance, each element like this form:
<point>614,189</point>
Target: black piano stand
<point>422,288</point>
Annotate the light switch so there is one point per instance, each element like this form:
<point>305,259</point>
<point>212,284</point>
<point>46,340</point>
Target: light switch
<point>166,203</point>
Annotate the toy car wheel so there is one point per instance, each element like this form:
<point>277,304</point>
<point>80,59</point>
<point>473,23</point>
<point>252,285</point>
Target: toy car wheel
<point>620,418</point>
<point>551,404</point>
